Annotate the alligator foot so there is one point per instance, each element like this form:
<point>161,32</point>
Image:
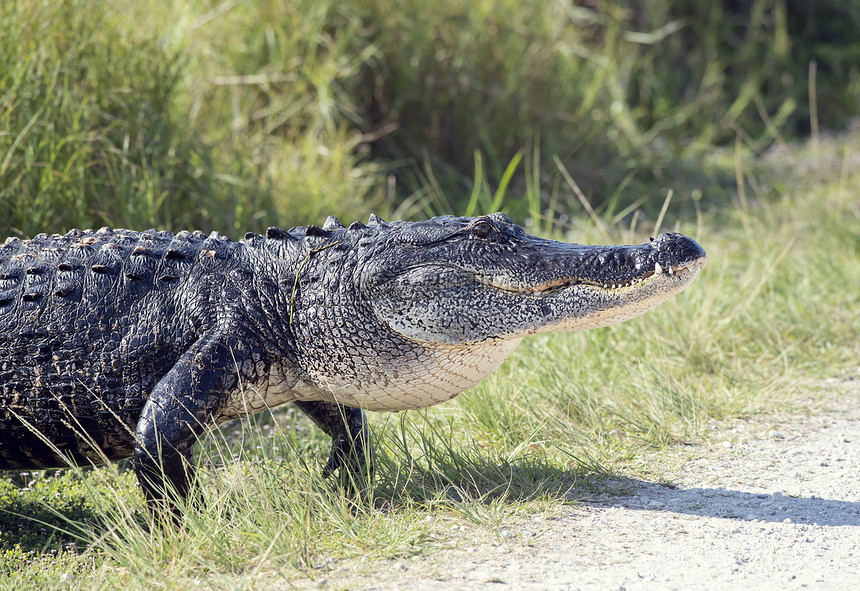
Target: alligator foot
<point>350,457</point>
<point>351,450</point>
<point>166,484</point>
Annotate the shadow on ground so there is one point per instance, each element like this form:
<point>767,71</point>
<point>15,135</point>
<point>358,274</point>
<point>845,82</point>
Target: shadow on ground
<point>458,478</point>
<point>39,526</point>
<point>47,510</point>
<point>725,503</point>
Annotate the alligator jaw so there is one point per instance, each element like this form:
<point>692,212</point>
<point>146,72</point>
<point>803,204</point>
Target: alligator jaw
<point>608,304</point>
<point>574,303</point>
<point>683,272</point>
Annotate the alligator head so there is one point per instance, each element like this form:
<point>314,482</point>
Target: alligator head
<point>446,300</point>
<point>458,281</point>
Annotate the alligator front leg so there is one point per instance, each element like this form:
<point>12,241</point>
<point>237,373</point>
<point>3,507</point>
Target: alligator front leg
<point>351,449</point>
<point>178,409</point>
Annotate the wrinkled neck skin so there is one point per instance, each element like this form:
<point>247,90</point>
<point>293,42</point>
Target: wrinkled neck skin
<point>405,315</point>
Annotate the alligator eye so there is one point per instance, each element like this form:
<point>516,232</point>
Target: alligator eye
<point>482,229</point>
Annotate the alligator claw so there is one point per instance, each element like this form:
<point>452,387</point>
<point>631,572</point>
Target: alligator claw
<point>354,459</point>
<point>351,452</point>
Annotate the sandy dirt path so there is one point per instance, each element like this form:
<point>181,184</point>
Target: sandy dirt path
<point>773,504</point>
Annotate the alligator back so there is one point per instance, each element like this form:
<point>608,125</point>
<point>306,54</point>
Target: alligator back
<point>90,321</point>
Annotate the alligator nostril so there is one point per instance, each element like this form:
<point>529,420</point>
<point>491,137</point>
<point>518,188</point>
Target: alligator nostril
<point>677,246</point>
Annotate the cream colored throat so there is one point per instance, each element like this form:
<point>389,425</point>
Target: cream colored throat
<point>434,375</point>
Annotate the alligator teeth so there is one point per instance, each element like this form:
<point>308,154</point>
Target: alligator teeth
<point>657,268</point>
<point>671,271</point>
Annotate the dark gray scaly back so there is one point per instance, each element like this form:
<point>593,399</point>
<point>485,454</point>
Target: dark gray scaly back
<point>91,321</point>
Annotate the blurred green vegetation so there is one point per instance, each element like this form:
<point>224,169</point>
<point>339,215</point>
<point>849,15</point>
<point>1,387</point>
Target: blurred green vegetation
<point>239,114</point>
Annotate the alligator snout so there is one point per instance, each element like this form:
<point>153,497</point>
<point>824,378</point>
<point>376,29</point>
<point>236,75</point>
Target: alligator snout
<point>674,248</point>
<point>675,253</point>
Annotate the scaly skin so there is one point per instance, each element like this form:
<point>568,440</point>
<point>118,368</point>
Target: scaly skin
<point>117,344</point>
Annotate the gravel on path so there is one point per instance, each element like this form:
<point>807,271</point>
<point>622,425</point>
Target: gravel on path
<point>774,505</point>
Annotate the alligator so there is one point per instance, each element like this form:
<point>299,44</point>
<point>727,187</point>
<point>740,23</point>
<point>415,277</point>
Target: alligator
<point>119,344</point>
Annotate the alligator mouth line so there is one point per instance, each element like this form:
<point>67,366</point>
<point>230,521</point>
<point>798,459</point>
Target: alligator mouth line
<point>556,285</point>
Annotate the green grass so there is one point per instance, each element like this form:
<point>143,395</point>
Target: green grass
<point>773,311</point>
<point>113,118</point>
<point>239,114</point>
